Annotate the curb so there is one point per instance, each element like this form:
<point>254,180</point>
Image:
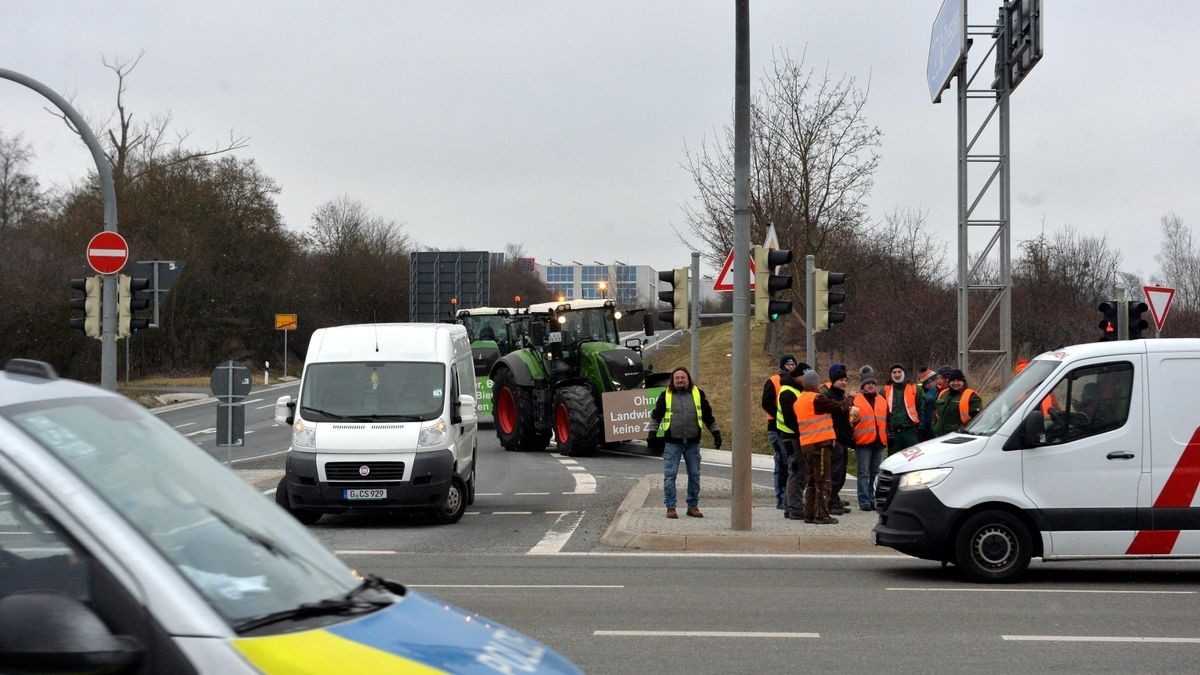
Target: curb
<point>620,534</point>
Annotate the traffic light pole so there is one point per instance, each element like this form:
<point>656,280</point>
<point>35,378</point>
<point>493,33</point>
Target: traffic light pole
<point>695,315</point>
<point>741,513</point>
<point>108,305</point>
<point>810,311</point>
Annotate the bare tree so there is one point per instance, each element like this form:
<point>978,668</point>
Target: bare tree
<point>20,196</point>
<point>133,149</point>
<point>813,158</point>
<point>1179,259</point>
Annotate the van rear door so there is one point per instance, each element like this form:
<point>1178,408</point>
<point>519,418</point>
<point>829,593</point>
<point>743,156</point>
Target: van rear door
<point>1175,456</point>
<point>1085,476</point>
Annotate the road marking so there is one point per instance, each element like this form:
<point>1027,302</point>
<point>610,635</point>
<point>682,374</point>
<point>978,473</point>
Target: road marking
<point>529,494</point>
<point>489,494</point>
<point>253,400</point>
<point>558,535</point>
<point>576,468</point>
<point>514,586</point>
<point>269,405</point>
<point>567,461</point>
<point>248,432</point>
<point>270,492</point>
<point>795,556</point>
<point>213,430</point>
<point>364,552</point>
<point>250,459</point>
<point>703,633</point>
<point>1097,638</point>
<point>512,513</point>
<point>1040,590</point>
<point>585,484</point>
<point>185,424</point>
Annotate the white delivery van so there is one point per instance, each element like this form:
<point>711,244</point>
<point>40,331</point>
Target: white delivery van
<point>1092,451</point>
<point>385,420</point>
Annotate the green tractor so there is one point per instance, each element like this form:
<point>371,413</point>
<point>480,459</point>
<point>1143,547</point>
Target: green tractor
<point>488,328</point>
<point>555,383</point>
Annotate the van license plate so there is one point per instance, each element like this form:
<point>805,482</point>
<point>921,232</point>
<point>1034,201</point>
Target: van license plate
<point>354,495</point>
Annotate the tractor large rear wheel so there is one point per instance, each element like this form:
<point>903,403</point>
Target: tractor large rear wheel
<point>513,414</point>
<point>576,421</point>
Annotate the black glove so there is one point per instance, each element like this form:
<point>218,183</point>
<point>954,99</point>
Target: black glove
<point>651,439</point>
<point>717,439</point>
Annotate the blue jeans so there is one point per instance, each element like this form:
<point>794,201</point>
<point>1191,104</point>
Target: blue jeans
<point>691,458</point>
<point>869,458</point>
<point>781,466</point>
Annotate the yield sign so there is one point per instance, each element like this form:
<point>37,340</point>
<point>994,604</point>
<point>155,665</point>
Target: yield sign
<point>723,283</point>
<point>107,252</point>
<point>1159,298</point>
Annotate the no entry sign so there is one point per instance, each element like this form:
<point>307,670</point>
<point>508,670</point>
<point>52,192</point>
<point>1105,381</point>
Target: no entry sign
<point>107,252</point>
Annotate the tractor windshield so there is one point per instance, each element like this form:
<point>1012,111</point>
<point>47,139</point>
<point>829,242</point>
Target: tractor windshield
<point>486,327</point>
<point>591,325</point>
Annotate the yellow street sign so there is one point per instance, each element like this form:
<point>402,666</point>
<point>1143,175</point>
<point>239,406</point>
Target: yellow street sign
<point>285,322</point>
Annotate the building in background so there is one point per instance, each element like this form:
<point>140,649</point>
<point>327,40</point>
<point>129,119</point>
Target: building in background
<point>629,285</point>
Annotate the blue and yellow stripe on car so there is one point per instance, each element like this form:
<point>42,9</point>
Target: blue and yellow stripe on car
<point>418,634</point>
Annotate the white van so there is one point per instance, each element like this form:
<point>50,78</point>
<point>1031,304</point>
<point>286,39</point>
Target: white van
<point>385,420</point>
<point>1092,451</point>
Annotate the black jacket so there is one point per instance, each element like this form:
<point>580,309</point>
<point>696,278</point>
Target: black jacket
<point>770,403</point>
<point>841,417</point>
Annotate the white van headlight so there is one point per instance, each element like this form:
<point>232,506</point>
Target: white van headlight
<point>432,435</point>
<point>926,478</point>
<point>304,436</point>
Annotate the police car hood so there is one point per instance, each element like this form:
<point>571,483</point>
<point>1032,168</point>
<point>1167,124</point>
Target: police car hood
<point>418,634</point>
<point>931,454</point>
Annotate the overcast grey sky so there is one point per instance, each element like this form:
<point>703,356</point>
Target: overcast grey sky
<point>561,125</point>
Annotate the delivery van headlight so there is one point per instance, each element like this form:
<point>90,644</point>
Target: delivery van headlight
<point>926,478</point>
<point>304,435</point>
<point>432,435</point>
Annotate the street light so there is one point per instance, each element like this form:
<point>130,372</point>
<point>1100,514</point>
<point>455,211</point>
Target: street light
<point>603,286</point>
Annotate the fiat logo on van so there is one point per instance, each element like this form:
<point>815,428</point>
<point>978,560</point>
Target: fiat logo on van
<point>364,470</point>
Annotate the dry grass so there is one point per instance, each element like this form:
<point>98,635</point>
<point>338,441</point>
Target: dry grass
<point>169,381</point>
<point>716,378</point>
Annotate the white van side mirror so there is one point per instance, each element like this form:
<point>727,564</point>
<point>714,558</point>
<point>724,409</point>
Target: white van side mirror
<point>284,407</point>
<point>466,406</point>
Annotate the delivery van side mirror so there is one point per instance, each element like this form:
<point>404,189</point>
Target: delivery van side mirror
<point>49,632</point>
<point>285,410</point>
<point>1029,435</point>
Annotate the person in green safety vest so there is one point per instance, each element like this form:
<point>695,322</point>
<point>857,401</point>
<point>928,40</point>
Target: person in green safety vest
<point>676,421</point>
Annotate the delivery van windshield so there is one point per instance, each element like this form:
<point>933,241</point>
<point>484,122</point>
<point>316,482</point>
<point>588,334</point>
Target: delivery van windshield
<point>245,559</point>
<point>401,391</point>
<point>992,417</point>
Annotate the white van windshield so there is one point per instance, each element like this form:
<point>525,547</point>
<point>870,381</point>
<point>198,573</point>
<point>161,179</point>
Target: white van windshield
<point>398,390</point>
<point>992,417</point>
<point>246,557</point>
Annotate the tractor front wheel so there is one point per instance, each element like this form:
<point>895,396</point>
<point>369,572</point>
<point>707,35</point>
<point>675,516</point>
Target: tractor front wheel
<point>576,421</point>
<point>514,414</point>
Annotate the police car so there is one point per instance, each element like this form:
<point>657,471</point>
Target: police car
<point>126,548</point>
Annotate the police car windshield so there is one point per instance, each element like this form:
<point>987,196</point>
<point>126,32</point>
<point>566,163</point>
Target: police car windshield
<point>993,416</point>
<point>400,391</point>
<point>245,558</point>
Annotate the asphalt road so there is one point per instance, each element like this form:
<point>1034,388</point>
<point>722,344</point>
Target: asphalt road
<point>528,554</point>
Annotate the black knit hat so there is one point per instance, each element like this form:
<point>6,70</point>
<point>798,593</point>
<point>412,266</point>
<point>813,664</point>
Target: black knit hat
<point>956,374</point>
<point>783,360</point>
<point>837,371</point>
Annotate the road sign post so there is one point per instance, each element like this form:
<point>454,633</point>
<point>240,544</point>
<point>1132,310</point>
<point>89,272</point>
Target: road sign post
<point>285,322</point>
<point>230,384</point>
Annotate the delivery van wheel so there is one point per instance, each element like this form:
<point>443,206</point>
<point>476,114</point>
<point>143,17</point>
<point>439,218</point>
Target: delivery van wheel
<point>306,516</point>
<point>993,547</point>
<point>576,421</point>
<point>451,510</point>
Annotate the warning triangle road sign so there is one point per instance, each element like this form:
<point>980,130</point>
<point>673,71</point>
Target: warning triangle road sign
<point>724,280</point>
<point>1159,298</point>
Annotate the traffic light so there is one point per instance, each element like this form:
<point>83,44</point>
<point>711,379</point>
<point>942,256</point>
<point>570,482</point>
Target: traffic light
<point>767,284</point>
<point>1108,321</point>
<point>89,303</point>
<point>677,316</point>
<point>826,298</point>
<point>130,300</point>
<point>1136,323</point>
